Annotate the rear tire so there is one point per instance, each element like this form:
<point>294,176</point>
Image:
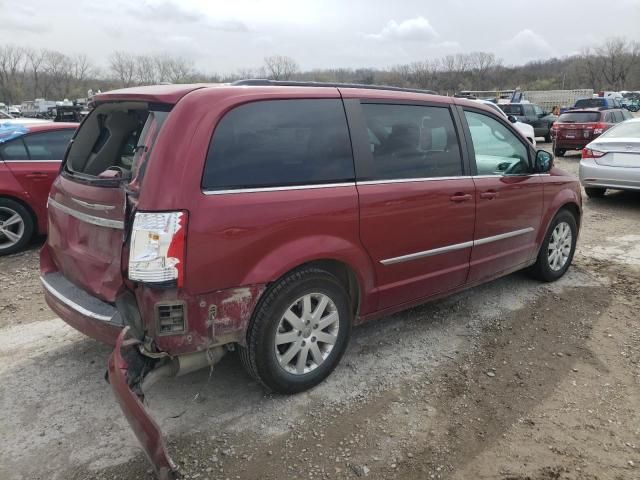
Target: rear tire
<point>558,248</point>
<point>16,226</point>
<point>559,152</point>
<point>547,138</point>
<point>302,308</point>
<point>595,192</point>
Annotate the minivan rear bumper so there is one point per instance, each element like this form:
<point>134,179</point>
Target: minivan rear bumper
<point>84,312</point>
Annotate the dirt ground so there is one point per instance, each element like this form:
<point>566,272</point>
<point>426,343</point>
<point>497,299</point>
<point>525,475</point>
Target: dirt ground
<point>512,380</point>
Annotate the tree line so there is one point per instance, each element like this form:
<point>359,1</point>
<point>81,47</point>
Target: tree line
<point>27,73</point>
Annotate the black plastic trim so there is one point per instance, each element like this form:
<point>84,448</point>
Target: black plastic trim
<point>264,82</point>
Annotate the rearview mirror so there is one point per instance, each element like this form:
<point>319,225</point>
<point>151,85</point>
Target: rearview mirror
<point>512,119</point>
<point>544,161</point>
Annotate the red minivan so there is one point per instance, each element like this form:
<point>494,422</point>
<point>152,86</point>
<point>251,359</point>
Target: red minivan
<point>271,217</point>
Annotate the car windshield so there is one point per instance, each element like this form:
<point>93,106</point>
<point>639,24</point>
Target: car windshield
<point>624,130</point>
<point>579,117</point>
<point>512,109</point>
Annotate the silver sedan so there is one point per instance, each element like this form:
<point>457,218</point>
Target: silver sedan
<point>612,160</point>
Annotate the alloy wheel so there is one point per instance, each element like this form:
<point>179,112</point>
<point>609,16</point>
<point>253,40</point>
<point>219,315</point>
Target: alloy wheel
<point>559,248</point>
<point>11,227</point>
<point>307,333</point>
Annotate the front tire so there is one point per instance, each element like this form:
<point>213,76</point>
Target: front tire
<point>299,331</point>
<point>16,226</point>
<point>559,152</point>
<point>558,248</point>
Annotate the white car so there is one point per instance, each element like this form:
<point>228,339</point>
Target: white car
<point>6,119</point>
<point>612,160</point>
<point>524,128</point>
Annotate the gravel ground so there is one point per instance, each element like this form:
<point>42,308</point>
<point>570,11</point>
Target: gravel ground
<point>511,380</point>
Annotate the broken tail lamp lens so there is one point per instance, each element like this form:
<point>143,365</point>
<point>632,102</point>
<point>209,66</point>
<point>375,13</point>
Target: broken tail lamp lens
<point>157,252</point>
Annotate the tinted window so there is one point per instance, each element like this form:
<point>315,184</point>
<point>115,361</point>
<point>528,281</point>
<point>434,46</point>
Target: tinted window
<point>13,150</point>
<point>538,110</point>
<point>512,109</point>
<point>278,143</point>
<point>617,116</point>
<point>626,115</point>
<point>48,145</point>
<point>497,149</point>
<point>410,141</point>
<point>590,103</point>
<point>579,117</point>
<point>609,117</point>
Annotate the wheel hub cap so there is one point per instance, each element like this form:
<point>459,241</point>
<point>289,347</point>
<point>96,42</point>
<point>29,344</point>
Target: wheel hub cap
<point>306,334</point>
<point>559,246</point>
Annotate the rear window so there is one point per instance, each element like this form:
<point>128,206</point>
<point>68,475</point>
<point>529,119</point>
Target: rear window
<point>591,103</point>
<point>113,143</point>
<point>275,143</point>
<point>579,117</point>
<point>512,109</point>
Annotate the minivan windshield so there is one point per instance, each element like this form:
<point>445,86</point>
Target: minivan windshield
<point>579,117</point>
<point>113,143</point>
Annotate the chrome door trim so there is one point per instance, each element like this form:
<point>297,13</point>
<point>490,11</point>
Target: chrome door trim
<point>426,253</point>
<point>455,246</point>
<point>85,217</point>
<point>279,189</point>
<point>73,305</point>
<point>502,236</point>
<point>410,180</point>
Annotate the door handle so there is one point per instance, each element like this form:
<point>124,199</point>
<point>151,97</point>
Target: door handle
<point>489,194</point>
<point>36,175</point>
<point>460,197</point>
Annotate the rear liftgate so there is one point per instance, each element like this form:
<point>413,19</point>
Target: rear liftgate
<point>131,374</point>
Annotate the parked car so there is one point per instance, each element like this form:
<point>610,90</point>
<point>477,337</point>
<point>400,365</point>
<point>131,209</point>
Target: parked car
<point>597,102</point>
<point>613,160</point>
<point>8,119</point>
<point>576,128</point>
<point>533,115</point>
<point>524,128</point>
<point>30,157</point>
<point>271,217</point>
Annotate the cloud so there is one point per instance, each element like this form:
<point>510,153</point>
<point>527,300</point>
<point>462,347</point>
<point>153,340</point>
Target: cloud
<point>22,18</point>
<point>172,11</point>
<point>414,29</point>
<point>526,45</point>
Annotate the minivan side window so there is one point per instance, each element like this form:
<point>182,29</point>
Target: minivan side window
<point>275,143</point>
<point>498,150</point>
<point>411,141</point>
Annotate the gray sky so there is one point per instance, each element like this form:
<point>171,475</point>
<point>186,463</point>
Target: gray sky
<point>223,36</point>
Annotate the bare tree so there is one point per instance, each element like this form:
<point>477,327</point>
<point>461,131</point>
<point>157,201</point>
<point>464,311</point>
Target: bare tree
<point>12,62</point>
<point>123,65</point>
<point>280,67</point>
<point>147,70</point>
<point>617,57</point>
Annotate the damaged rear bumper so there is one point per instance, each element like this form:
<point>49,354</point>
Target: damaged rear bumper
<point>131,374</point>
<point>127,368</point>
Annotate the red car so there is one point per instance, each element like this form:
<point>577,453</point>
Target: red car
<point>271,217</point>
<point>576,128</point>
<point>30,157</point>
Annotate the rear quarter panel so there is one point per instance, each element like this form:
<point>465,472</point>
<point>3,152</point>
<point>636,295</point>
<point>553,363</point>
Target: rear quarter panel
<point>11,188</point>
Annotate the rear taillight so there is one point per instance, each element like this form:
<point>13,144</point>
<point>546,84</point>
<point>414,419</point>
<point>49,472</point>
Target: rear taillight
<point>598,128</point>
<point>157,251</point>
<point>589,153</point>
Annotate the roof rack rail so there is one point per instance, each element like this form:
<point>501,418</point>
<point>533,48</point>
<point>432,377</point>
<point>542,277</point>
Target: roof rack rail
<point>263,82</point>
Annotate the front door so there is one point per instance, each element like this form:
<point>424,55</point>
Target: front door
<point>416,206</point>
<point>509,197</point>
